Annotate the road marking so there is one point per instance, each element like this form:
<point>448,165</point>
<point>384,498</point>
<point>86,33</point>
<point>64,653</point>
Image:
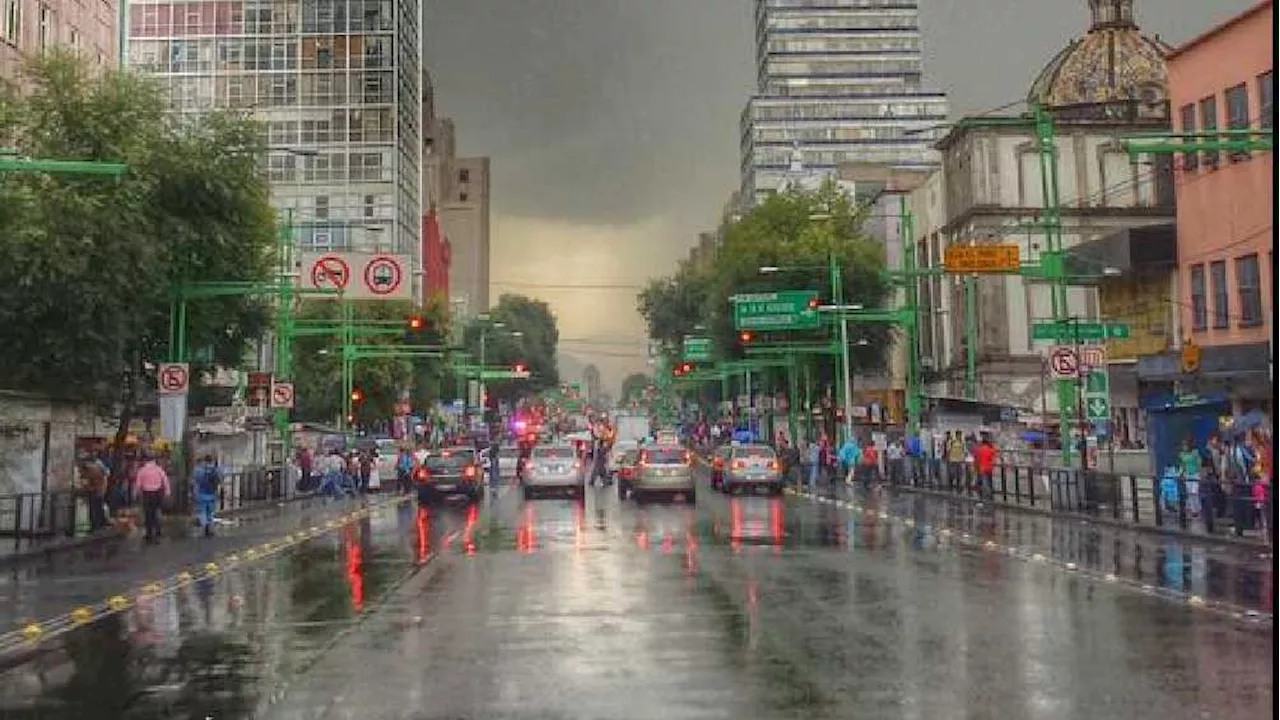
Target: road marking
<point>33,632</point>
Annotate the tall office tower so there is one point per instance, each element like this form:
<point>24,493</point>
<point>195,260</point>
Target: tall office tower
<point>337,83</point>
<point>837,81</point>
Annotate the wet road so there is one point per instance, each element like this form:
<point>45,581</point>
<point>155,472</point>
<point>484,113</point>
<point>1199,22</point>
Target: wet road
<point>744,607</point>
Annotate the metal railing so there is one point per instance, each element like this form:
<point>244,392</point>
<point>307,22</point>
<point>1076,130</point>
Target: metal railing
<point>36,518</point>
<point>1125,498</point>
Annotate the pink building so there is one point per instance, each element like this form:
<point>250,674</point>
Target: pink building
<point>1226,237</point>
<point>30,26</point>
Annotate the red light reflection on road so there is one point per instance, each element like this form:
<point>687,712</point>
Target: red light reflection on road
<point>690,553</point>
<point>355,570</point>
<point>668,543</point>
<point>473,514</point>
<point>423,523</point>
<point>777,523</point>
<point>526,540</point>
<point>579,525</point>
<point>735,524</point>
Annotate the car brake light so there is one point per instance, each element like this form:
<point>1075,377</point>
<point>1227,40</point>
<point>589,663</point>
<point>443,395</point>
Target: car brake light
<point>719,462</point>
<point>739,464</point>
<point>469,472</point>
<point>773,465</point>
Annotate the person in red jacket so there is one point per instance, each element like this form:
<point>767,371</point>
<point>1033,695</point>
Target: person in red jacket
<point>984,461</point>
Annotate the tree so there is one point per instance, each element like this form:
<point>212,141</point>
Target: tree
<point>318,361</point>
<point>634,385</point>
<point>673,307</point>
<point>90,262</point>
<point>535,347</point>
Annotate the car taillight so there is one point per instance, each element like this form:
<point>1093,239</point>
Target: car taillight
<point>739,464</point>
<point>775,465</point>
<point>469,471</point>
<point>719,462</point>
<point>422,475</point>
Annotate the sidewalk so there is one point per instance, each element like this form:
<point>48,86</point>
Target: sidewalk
<point>68,579</point>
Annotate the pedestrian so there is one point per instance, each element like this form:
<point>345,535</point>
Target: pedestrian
<point>955,461</point>
<point>915,457</point>
<point>984,461</point>
<point>404,469</point>
<point>153,482</point>
<point>207,478</point>
<point>1189,466</point>
<point>848,457</point>
<point>365,461</point>
<point>93,478</point>
<point>814,458</point>
<point>893,456</point>
<point>869,465</point>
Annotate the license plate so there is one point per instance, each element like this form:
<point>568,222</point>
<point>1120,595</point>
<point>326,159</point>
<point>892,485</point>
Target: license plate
<point>446,488</point>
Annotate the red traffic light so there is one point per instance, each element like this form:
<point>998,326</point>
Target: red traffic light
<point>521,367</point>
<point>687,367</point>
<point>357,396</point>
<point>417,322</point>
<point>746,336</point>
<point>813,303</point>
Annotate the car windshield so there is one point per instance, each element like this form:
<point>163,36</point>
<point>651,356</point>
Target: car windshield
<point>553,453</point>
<point>753,452</point>
<point>665,456</point>
<point>440,462</point>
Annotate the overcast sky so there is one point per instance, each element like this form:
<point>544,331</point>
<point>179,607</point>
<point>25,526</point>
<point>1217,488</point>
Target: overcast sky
<point>613,127</point>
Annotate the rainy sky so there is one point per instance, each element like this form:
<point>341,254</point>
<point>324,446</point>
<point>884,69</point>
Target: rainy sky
<point>613,127</point>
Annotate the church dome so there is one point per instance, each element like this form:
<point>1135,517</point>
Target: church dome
<point>1112,72</point>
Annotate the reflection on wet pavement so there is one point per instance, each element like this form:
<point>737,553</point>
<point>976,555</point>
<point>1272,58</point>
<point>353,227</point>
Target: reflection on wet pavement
<point>742,607</point>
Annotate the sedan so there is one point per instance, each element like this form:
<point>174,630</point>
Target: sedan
<point>664,469</point>
<point>749,466</point>
<point>552,468</point>
<point>446,473</point>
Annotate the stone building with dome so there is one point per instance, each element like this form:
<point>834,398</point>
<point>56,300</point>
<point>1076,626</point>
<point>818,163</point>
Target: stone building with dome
<point>1117,212</point>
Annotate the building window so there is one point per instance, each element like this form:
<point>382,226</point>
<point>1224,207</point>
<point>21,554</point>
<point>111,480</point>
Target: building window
<point>462,196</point>
<point>1237,114</point>
<point>1199,310</point>
<point>73,39</point>
<point>322,207</point>
<point>1208,124</point>
<point>370,205</point>
<point>12,20</point>
<point>1221,301</point>
<point>1189,160</point>
<point>464,175</point>
<point>46,27</point>
<point>1266,98</point>
<point>1250,290</point>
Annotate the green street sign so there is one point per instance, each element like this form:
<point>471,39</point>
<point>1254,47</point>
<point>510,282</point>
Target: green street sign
<point>697,349</point>
<point>782,310</point>
<point>1097,395</point>
<point>1068,331</point>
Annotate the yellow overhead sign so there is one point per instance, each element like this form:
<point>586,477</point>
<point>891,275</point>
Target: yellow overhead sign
<point>981,258</point>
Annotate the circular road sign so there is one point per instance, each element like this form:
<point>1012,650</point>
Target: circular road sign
<point>1064,362</point>
<point>173,378</point>
<point>330,271</point>
<point>282,395</point>
<point>383,275</point>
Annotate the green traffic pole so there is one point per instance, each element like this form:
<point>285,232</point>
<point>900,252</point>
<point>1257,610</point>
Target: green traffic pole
<point>842,371</point>
<point>348,359</point>
<point>284,322</point>
<point>906,229</point>
<point>792,400</point>
<point>1051,261</point>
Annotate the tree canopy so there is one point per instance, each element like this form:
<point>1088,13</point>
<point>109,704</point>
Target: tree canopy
<point>633,386</point>
<point>535,346</point>
<point>90,261</point>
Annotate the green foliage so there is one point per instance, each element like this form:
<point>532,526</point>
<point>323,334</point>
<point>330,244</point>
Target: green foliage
<point>633,386</point>
<point>673,306</point>
<point>318,362</point>
<point>90,260</point>
<point>536,346</point>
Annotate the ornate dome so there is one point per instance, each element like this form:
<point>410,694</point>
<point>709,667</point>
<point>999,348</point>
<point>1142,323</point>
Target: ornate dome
<point>1113,72</point>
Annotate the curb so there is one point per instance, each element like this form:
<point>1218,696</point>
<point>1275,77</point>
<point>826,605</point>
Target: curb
<point>109,535</point>
<point>1093,519</point>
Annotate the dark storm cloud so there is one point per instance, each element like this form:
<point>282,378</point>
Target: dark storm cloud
<point>613,124</point>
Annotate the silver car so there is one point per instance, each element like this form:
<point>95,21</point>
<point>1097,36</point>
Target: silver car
<point>664,469</point>
<point>553,467</point>
<point>751,466</point>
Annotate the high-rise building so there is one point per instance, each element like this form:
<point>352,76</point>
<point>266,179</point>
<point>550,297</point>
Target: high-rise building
<point>28,27</point>
<point>337,85</point>
<point>464,218</point>
<point>837,81</point>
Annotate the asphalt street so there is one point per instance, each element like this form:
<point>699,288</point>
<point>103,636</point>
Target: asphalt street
<point>866,605</point>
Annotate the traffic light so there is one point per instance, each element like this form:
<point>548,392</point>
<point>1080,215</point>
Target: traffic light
<point>686,368</point>
<point>417,323</point>
<point>813,303</point>
<point>746,336</point>
<point>520,368</point>
<point>357,396</point>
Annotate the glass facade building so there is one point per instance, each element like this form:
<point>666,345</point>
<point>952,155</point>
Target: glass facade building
<point>837,81</point>
<point>337,84</point>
